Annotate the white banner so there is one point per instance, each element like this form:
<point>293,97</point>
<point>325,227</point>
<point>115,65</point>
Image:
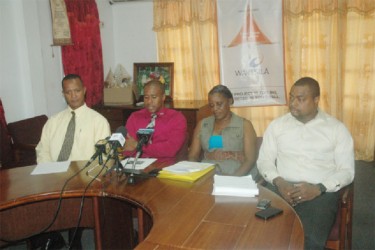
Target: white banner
<point>60,23</point>
<point>251,51</point>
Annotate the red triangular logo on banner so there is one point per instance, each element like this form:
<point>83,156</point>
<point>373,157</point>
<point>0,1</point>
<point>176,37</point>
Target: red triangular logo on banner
<point>250,32</point>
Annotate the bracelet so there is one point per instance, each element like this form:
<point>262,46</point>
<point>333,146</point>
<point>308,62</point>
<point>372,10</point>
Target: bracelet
<point>322,188</point>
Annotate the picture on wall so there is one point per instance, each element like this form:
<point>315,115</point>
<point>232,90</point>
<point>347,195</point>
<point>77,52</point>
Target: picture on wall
<point>144,72</point>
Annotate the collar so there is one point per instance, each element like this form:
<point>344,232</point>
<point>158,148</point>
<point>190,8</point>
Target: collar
<point>320,116</point>
<point>78,110</point>
<point>161,112</point>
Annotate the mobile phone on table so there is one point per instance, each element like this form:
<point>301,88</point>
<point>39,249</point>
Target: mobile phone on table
<point>263,204</point>
<point>268,213</point>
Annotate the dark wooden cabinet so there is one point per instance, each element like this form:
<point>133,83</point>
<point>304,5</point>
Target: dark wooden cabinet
<point>192,110</point>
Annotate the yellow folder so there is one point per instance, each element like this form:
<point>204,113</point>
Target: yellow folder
<point>200,169</point>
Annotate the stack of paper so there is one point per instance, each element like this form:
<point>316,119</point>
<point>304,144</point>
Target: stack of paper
<point>243,186</point>
<point>186,171</point>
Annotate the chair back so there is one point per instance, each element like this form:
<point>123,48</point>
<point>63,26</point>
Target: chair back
<point>340,236</point>
<point>6,153</point>
<point>27,131</point>
<point>23,136</point>
<point>182,154</point>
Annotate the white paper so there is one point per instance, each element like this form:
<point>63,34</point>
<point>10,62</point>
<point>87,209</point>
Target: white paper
<point>187,167</point>
<point>243,186</point>
<point>142,163</point>
<point>51,167</point>
<point>235,199</point>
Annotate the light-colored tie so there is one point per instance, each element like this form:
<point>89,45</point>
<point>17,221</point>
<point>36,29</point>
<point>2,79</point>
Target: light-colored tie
<point>152,122</point>
<point>66,148</point>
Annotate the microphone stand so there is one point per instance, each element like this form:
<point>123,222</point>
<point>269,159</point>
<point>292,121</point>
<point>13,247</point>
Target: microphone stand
<point>100,159</point>
<point>116,165</point>
<point>131,179</point>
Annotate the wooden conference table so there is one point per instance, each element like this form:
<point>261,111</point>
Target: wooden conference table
<point>171,214</point>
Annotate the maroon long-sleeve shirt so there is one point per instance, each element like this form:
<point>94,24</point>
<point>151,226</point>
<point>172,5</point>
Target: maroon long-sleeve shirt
<point>168,137</point>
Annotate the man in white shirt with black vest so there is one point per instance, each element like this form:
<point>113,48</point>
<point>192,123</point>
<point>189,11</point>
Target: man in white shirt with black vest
<point>306,157</point>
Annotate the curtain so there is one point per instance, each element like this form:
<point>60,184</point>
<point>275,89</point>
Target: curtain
<point>2,115</point>
<point>333,41</point>
<point>84,57</point>
<point>329,40</point>
<point>187,36</point>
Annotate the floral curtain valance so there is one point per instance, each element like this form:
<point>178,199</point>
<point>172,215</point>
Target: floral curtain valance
<point>329,7</point>
<point>176,13</point>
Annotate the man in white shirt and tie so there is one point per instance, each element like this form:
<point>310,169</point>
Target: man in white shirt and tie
<point>71,135</point>
<point>90,126</point>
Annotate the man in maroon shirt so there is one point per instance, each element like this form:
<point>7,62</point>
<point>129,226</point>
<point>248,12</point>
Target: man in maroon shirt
<point>169,129</point>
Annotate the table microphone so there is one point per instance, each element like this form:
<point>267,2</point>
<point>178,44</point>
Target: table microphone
<point>143,135</point>
<point>117,139</point>
<point>100,148</point>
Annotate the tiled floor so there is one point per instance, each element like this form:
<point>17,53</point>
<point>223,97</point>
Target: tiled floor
<point>363,219</point>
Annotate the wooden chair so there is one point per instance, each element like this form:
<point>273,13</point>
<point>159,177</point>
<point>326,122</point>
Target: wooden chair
<point>20,139</point>
<point>341,232</point>
<point>182,154</point>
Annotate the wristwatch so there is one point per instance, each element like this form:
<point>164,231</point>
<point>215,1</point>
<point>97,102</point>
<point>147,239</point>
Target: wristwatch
<point>322,188</point>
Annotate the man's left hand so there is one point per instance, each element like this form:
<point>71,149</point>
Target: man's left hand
<point>304,191</point>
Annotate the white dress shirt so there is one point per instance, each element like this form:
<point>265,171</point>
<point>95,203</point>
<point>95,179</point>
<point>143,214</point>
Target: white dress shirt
<point>320,151</point>
<point>90,128</point>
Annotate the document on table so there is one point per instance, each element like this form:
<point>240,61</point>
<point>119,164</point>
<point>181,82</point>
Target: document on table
<point>51,167</point>
<point>187,167</point>
<point>243,186</point>
<point>186,171</point>
<point>141,163</point>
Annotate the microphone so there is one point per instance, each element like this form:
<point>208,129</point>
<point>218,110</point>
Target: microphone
<point>117,139</point>
<point>143,135</point>
<point>100,149</point>
<point>100,145</point>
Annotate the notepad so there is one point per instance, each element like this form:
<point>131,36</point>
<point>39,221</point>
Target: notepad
<point>243,186</point>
